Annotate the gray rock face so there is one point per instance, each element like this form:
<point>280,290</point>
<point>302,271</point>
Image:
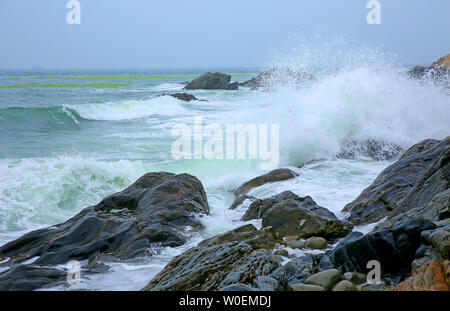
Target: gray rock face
<point>154,210</point>
<point>273,176</point>
<point>214,265</point>
<point>212,81</point>
<point>413,186</point>
<point>394,248</point>
<point>290,214</point>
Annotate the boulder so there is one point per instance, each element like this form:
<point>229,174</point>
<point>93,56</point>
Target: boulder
<point>295,244</point>
<point>151,212</point>
<point>30,277</point>
<point>216,264</point>
<point>344,286</point>
<point>325,279</point>
<point>394,248</point>
<point>433,276</point>
<point>316,243</point>
<point>184,97</point>
<point>409,188</point>
<point>290,214</point>
<point>355,277</point>
<point>299,269</point>
<point>273,176</point>
<point>212,81</point>
<point>281,252</point>
<point>306,288</point>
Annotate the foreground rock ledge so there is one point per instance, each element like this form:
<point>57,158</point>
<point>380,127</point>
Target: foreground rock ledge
<point>154,209</point>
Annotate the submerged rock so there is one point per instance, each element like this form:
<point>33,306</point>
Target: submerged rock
<point>394,248</point>
<point>184,97</point>
<point>290,214</point>
<point>273,176</point>
<point>212,81</point>
<point>151,212</point>
<point>220,263</point>
<point>413,186</point>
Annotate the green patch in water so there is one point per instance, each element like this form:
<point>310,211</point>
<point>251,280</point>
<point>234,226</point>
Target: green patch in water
<point>66,85</point>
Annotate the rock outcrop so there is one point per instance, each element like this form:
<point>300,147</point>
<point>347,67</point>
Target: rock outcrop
<point>416,185</point>
<point>371,148</point>
<point>278,76</point>
<point>433,276</point>
<point>273,176</point>
<point>437,70</point>
<point>212,81</point>
<point>236,259</point>
<point>153,210</point>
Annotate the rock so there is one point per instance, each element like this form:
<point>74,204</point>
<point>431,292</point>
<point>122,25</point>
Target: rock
<point>355,277</point>
<point>282,252</point>
<point>443,62</point>
<point>151,212</point>
<point>30,277</point>
<point>295,244</point>
<point>184,97</point>
<point>316,243</point>
<point>289,214</point>
<point>240,200</point>
<point>299,269</point>
<point>393,247</point>
<point>212,81</point>
<point>273,176</point>
<point>344,286</point>
<point>375,149</point>
<point>306,288</point>
<point>410,184</point>
<point>221,266</point>
<point>440,240</point>
<point>325,279</point>
<point>433,276</point>
<point>437,70</point>
<point>234,86</point>
<point>292,238</point>
<point>279,76</point>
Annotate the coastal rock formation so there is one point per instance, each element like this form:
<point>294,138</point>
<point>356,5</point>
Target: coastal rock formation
<point>433,276</point>
<point>371,148</point>
<point>416,185</point>
<point>220,263</point>
<point>290,214</point>
<point>184,97</point>
<point>152,211</point>
<point>280,76</point>
<point>273,176</point>
<point>394,248</point>
<point>240,200</point>
<point>301,268</point>
<point>212,81</point>
<point>436,70</point>
<point>30,277</point>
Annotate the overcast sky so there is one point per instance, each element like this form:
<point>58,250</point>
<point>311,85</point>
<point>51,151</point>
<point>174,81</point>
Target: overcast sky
<point>207,33</point>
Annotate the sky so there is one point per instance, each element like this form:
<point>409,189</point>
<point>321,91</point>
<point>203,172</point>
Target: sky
<point>208,33</point>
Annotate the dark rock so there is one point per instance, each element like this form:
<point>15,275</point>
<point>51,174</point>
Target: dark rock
<point>411,183</point>
<point>393,247</point>
<point>325,279</point>
<point>184,97</point>
<point>212,81</point>
<point>234,86</point>
<point>299,269</point>
<point>259,207</point>
<point>273,176</point>
<point>152,211</point>
<point>240,200</point>
<point>30,277</point>
<point>293,215</point>
<point>375,149</point>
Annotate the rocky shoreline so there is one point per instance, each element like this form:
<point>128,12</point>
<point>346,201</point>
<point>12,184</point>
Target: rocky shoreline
<point>409,201</point>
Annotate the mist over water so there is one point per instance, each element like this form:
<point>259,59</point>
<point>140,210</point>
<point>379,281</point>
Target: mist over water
<point>65,149</point>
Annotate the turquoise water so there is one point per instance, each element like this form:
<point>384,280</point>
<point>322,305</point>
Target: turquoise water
<point>64,148</point>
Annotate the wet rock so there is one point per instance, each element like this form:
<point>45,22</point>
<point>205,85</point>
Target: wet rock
<point>440,240</point>
<point>409,188</point>
<point>273,176</point>
<point>299,269</point>
<point>433,276</point>
<point>212,81</point>
<point>279,76</point>
<point>355,277</point>
<point>30,277</point>
<point>295,244</point>
<point>437,70</point>
<point>240,200</point>
<point>306,288</point>
<point>344,286</point>
<point>325,279</point>
<point>184,97</point>
<point>375,149</point>
<point>289,214</point>
<point>151,212</point>
<point>393,247</point>
<point>316,243</point>
<point>281,252</point>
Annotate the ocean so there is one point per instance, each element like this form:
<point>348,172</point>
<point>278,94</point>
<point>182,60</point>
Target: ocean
<point>64,147</point>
